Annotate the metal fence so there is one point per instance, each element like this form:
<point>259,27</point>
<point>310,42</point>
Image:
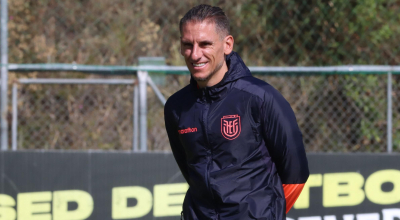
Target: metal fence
<point>74,114</point>
<point>342,109</point>
<point>339,109</point>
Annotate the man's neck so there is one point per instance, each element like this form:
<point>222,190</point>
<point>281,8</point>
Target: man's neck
<point>214,79</point>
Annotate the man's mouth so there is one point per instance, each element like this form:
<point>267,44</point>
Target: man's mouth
<point>198,64</point>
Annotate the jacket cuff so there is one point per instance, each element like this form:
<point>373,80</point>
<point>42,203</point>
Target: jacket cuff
<point>292,192</point>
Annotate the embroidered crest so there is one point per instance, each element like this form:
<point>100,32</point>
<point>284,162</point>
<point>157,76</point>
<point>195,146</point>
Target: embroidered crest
<point>230,126</point>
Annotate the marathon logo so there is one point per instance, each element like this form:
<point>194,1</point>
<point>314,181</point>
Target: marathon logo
<point>187,130</point>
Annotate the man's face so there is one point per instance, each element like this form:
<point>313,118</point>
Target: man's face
<point>204,49</point>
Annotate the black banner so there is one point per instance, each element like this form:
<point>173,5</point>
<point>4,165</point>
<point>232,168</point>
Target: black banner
<point>116,185</point>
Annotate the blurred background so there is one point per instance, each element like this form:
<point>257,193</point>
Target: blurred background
<point>337,111</point>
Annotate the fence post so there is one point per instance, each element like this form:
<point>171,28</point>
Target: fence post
<point>156,90</point>
<point>135,119</point>
<point>4,75</point>
<point>389,114</point>
<point>14,131</point>
<point>142,77</point>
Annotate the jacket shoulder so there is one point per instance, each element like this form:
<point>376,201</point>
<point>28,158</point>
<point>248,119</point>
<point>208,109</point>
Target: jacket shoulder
<point>175,100</point>
<point>257,87</point>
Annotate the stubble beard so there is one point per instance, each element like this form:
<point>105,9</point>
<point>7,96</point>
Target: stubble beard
<point>205,79</point>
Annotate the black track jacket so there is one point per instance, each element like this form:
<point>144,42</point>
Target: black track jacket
<point>236,143</point>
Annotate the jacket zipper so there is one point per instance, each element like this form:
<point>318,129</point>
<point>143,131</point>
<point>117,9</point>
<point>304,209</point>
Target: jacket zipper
<point>209,157</point>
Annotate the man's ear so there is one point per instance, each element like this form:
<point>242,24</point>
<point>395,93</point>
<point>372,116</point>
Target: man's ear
<point>228,44</point>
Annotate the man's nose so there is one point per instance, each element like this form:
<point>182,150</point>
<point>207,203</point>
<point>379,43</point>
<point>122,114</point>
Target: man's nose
<point>196,53</point>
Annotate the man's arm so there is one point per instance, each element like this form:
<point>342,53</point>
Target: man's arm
<point>285,144</point>
<point>173,136</point>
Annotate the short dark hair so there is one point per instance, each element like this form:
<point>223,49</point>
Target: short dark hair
<point>207,12</point>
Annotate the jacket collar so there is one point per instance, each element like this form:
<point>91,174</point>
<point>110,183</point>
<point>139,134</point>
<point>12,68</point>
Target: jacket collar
<point>236,70</point>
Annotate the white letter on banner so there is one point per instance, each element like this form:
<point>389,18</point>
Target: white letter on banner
<point>120,196</point>
<point>330,217</point>
<point>391,214</point>
<point>348,217</point>
<point>368,216</point>
<point>60,205</point>
<point>168,199</point>
<point>34,206</point>
<point>311,218</point>
<point>6,210</point>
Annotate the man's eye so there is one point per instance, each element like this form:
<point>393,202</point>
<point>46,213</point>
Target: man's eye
<point>205,44</point>
<point>187,45</point>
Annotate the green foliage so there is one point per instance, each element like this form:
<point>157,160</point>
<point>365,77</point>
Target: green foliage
<point>266,32</point>
<point>285,32</point>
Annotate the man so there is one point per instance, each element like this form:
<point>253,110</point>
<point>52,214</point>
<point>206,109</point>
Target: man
<point>234,137</point>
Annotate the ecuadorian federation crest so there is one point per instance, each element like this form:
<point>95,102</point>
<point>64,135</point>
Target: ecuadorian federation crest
<point>230,126</point>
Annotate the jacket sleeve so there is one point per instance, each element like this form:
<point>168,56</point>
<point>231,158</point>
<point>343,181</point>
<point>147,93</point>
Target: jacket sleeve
<point>292,192</point>
<point>172,130</point>
<point>285,144</point>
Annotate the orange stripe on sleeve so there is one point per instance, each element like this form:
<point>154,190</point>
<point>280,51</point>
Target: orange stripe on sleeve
<point>292,192</point>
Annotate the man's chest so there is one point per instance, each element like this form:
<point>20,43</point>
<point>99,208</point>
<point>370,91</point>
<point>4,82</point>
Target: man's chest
<point>220,127</point>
